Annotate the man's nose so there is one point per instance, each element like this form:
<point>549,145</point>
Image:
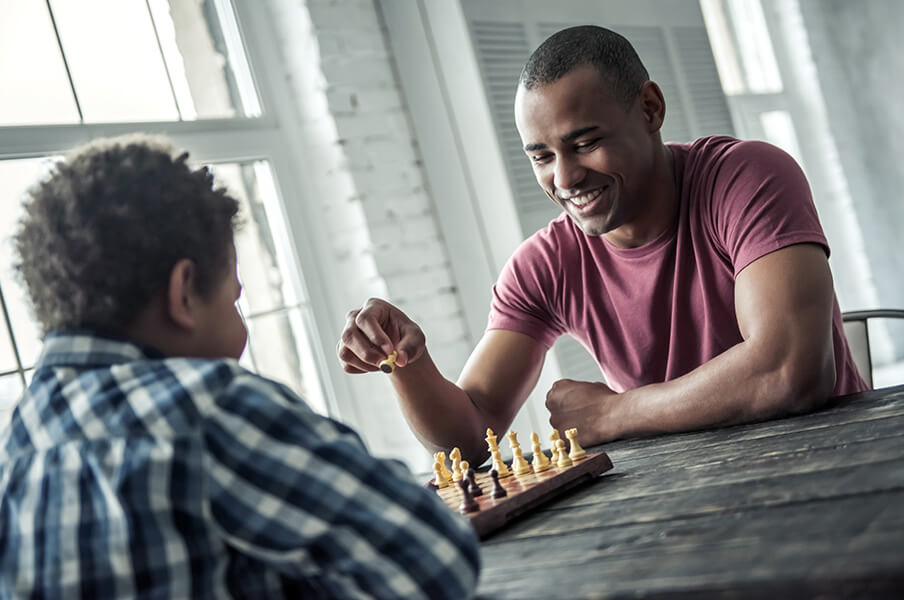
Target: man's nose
<point>568,174</point>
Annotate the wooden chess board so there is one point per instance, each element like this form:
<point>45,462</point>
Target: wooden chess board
<point>525,492</point>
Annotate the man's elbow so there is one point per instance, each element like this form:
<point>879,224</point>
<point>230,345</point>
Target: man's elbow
<point>807,384</point>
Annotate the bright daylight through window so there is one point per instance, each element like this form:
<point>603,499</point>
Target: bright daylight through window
<point>180,67</point>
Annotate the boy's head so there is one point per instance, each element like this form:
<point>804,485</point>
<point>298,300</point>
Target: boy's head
<point>124,238</point>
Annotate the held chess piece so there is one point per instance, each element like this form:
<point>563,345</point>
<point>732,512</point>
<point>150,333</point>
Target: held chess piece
<point>498,490</point>
<point>468,504</point>
<point>541,463</point>
<point>472,481</point>
<point>455,457</point>
<point>520,466</point>
<point>388,365</point>
<point>576,451</point>
<point>564,461</point>
<point>498,464</point>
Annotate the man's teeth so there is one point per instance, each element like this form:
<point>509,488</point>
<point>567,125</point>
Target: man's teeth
<point>583,198</point>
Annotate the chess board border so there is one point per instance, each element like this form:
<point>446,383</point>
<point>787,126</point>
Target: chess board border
<point>504,510</point>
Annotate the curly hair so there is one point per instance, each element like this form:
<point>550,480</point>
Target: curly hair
<point>610,53</point>
<point>101,234</point>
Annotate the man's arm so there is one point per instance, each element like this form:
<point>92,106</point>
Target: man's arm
<point>493,385</point>
<point>500,373</point>
<point>785,363</point>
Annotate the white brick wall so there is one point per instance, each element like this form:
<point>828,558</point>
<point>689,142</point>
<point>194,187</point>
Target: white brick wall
<point>383,231</point>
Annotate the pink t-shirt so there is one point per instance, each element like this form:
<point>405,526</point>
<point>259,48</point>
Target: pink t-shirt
<point>653,313</point>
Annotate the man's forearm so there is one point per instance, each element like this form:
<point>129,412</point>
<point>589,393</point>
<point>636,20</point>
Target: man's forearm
<point>742,384</point>
<point>440,413</point>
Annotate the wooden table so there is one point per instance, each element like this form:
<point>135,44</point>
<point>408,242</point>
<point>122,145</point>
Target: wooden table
<point>799,507</point>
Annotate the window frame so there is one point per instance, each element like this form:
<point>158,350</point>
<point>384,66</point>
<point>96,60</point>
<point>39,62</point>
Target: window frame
<point>267,137</point>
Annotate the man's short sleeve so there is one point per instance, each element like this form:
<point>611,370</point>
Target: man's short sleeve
<point>525,293</point>
<point>761,202</point>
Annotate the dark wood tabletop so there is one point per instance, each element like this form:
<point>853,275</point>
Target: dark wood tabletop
<point>802,507</point>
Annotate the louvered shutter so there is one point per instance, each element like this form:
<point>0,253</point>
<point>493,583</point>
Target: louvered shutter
<point>677,55</point>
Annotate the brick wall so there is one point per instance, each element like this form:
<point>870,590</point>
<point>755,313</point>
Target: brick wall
<point>372,193</point>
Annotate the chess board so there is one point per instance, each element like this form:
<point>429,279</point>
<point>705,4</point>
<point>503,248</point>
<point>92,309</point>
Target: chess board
<point>525,492</point>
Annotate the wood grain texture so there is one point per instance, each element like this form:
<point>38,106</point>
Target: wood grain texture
<point>807,506</point>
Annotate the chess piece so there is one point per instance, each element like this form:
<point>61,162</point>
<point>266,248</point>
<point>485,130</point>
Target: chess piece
<point>498,490</point>
<point>554,459</point>
<point>498,464</point>
<point>468,504</point>
<point>447,474</point>
<point>388,365</point>
<point>438,478</point>
<point>576,450</point>
<point>455,457</point>
<point>472,481</point>
<point>520,466</point>
<point>492,446</point>
<point>541,463</point>
<point>563,461</point>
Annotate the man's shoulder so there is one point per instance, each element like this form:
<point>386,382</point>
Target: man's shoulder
<point>721,154</point>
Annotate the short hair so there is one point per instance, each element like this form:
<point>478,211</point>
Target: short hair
<point>102,232</point>
<point>610,53</point>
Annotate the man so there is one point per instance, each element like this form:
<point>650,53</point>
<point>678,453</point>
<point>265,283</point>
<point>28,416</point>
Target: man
<point>143,461</point>
<point>696,274</point>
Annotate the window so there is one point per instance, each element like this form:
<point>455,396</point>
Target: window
<point>106,67</point>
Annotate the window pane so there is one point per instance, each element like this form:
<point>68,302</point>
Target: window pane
<point>279,350</point>
<point>10,390</point>
<point>7,357</point>
<point>33,91</point>
<point>266,285</point>
<point>116,65</point>
<point>277,318</point>
<point>206,59</point>
<point>17,176</point>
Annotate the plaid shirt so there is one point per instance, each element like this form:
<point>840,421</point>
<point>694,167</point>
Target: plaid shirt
<point>127,474</point>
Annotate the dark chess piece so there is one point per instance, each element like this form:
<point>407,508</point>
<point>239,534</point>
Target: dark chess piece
<point>472,483</point>
<point>498,490</point>
<point>468,504</point>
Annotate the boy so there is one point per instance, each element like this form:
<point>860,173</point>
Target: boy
<point>143,461</point>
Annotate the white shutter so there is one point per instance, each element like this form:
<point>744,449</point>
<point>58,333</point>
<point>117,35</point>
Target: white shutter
<point>670,39</point>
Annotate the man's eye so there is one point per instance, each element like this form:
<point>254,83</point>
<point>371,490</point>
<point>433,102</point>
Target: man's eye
<point>540,158</point>
<point>588,145</point>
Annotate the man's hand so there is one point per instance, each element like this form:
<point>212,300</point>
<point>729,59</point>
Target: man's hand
<point>372,332</point>
<point>583,405</point>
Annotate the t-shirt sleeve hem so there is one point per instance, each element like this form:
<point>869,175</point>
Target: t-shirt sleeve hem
<point>777,243</point>
<point>508,324</point>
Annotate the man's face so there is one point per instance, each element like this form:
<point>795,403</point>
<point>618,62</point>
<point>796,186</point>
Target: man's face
<point>221,328</point>
<point>590,155</point>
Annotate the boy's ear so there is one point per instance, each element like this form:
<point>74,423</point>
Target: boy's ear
<point>180,295</point>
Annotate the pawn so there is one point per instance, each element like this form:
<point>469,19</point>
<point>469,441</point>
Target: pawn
<point>520,466</point>
<point>438,478</point>
<point>576,450</point>
<point>540,463</point>
<point>468,504</point>
<point>564,461</point>
<point>472,482</point>
<point>498,490</point>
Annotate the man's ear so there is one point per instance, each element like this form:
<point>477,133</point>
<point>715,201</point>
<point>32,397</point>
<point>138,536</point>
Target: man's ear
<point>652,103</point>
<point>181,298</point>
